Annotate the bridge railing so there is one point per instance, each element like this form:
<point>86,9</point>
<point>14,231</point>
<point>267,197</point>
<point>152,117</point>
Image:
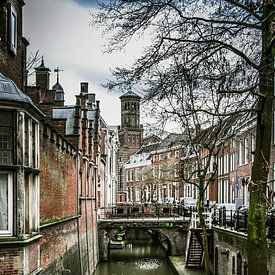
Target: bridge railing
<point>195,222</point>
<point>140,211</point>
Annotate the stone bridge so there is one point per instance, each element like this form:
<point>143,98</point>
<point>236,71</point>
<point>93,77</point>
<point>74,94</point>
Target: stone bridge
<point>174,229</point>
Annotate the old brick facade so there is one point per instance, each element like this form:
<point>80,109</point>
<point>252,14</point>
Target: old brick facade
<point>231,253</point>
<point>48,166</point>
<point>151,174</point>
<point>12,44</point>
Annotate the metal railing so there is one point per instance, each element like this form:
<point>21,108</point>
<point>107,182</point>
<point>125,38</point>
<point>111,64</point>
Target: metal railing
<point>229,219</point>
<point>139,211</point>
<point>237,220</point>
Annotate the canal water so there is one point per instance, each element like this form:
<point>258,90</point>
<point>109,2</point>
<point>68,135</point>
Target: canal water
<point>138,257</point>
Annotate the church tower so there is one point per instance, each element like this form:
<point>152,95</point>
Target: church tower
<point>130,136</point>
<point>131,131</point>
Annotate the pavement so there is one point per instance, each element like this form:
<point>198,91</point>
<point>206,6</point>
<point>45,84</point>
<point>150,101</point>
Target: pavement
<point>179,265</point>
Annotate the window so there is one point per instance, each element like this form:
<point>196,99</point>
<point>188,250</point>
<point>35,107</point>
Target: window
<point>245,150</point>
<point>220,166</point>
<point>137,174</point>
<point>6,137</point>
<point>13,29</point>
<point>132,175</point>
<point>31,203</point>
<point>240,153</point>
<point>31,143</point>
<point>232,162</point>
<point>6,203</point>
<point>253,146</point>
<point>177,154</point>
<point>128,175</point>
<point>225,164</point>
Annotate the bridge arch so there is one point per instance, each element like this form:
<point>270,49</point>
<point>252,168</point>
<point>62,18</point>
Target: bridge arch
<point>176,237</point>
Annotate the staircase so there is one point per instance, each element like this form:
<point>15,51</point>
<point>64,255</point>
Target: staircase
<point>195,251</point>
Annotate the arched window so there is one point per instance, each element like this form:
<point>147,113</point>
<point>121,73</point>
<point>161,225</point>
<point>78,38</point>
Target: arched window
<point>239,264</point>
<point>216,261</point>
<point>245,268</point>
<point>233,265</point>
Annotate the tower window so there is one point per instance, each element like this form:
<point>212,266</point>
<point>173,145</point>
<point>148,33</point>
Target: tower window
<point>13,29</point>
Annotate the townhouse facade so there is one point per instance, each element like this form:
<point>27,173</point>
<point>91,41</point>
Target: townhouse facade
<point>152,174</point>
<point>228,175</point>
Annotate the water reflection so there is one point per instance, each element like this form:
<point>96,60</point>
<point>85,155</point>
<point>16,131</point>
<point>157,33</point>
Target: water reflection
<point>140,257</point>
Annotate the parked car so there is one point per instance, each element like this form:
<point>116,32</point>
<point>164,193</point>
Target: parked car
<point>223,214</point>
<point>270,223</point>
<point>240,218</point>
<point>189,202</point>
<point>188,205</point>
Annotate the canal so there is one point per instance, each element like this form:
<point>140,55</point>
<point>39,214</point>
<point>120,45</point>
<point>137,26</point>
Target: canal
<point>140,255</point>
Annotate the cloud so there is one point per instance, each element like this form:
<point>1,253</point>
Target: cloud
<point>60,31</point>
<point>87,2</point>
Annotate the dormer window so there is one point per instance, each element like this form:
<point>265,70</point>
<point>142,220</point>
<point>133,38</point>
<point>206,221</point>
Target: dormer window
<point>13,29</point>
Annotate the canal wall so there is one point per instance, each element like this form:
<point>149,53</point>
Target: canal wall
<point>231,254</point>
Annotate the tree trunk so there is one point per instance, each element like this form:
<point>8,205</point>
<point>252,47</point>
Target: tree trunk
<point>257,243</point>
<point>207,261</point>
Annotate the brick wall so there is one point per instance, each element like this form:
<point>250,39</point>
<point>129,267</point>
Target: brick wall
<point>58,188</point>
<point>57,244</point>
<point>11,261</point>
<point>10,63</point>
<point>229,245</point>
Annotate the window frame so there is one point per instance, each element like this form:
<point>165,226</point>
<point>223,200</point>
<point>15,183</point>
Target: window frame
<point>246,152</point>
<point>9,231</point>
<point>240,153</point>
<point>13,29</point>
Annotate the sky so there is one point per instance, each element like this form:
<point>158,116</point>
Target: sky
<point>60,30</point>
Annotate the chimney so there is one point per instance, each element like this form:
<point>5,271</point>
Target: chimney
<point>42,75</point>
<point>91,101</point>
<point>84,87</point>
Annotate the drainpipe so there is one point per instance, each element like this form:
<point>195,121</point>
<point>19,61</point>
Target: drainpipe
<point>77,210</point>
<point>91,164</point>
<point>85,160</point>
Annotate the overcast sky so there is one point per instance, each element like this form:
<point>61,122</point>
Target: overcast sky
<point>60,30</point>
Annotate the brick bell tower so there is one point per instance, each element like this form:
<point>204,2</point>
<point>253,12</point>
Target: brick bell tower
<point>131,131</point>
<point>130,136</point>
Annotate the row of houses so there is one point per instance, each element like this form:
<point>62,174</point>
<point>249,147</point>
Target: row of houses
<point>168,170</point>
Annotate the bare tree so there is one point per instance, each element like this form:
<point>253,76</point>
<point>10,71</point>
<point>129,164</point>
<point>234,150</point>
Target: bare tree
<point>154,177</point>
<point>32,62</point>
<point>220,48</point>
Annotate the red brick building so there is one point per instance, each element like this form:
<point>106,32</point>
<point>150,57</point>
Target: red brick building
<point>151,174</point>
<point>48,166</point>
